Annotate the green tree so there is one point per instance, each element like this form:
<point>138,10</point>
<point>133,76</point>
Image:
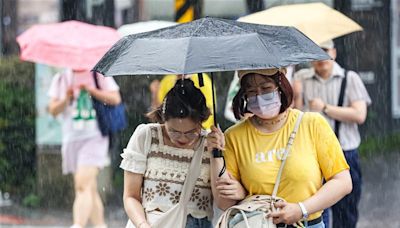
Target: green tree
<point>17,127</point>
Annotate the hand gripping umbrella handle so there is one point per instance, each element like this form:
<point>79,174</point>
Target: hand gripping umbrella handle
<point>216,152</point>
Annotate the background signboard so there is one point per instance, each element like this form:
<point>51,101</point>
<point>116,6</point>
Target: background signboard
<point>48,128</point>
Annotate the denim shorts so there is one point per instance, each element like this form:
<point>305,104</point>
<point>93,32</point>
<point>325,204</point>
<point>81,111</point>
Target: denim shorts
<point>192,222</point>
<point>319,225</point>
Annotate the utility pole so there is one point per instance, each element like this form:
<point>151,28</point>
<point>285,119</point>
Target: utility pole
<point>188,10</point>
<point>100,12</point>
<point>1,28</point>
<point>138,6</point>
<point>72,10</point>
<point>255,6</point>
<point>8,27</point>
<point>342,58</point>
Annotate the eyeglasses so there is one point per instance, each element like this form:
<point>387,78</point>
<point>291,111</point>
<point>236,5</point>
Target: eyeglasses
<point>188,135</point>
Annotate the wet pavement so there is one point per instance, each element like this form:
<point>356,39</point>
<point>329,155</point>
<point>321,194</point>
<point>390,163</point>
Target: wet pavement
<point>16,216</point>
<point>379,205</point>
<point>380,199</point>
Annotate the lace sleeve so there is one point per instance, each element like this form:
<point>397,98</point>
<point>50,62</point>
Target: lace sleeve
<point>135,154</point>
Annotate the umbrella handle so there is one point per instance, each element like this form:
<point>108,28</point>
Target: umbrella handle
<point>216,152</point>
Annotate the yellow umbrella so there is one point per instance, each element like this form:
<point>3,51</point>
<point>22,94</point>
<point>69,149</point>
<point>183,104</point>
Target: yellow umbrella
<point>316,20</point>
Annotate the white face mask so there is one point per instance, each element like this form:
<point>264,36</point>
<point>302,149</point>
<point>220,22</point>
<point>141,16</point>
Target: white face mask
<point>265,106</point>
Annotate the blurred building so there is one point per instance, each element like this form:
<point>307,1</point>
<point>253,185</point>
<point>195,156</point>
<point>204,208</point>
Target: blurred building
<point>36,12</point>
<point>230,9</point>
<point>374,53</point>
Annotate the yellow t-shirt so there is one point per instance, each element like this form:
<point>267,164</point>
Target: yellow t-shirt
<point>168,82</point>
<point>253,157</point>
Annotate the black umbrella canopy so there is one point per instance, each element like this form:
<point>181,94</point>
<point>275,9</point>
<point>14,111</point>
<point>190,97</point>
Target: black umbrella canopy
<point>208,45</point>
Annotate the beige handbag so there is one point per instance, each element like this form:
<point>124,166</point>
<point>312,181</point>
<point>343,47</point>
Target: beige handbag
<point>177,215</point>
<point>252,212</point>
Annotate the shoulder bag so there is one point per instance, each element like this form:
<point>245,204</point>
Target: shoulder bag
<point>111,118</point>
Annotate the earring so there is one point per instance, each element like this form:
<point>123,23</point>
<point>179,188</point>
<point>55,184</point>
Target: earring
<point>164,105</point>
<point>280,79</point>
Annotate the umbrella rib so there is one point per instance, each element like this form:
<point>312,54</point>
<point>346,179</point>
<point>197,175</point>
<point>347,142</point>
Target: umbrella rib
<point>211,46</point>
<point>265,46</point>
<point>197,28</point>
<point>233,25</point>
<point>187,49</point>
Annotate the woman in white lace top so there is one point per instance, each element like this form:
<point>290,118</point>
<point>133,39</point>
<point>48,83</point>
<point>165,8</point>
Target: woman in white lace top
<point>157,158</point>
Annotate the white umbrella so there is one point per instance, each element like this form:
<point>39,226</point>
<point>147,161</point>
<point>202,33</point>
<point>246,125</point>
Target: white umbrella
<point>143,26</point>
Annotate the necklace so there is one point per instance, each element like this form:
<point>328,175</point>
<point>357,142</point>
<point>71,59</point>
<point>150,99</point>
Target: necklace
<point>261,122</point>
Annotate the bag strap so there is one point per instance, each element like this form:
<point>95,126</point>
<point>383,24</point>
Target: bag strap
<point>96,81</point>
<point>286,153</point>
<point>193,174</point>
<point>340,101</point>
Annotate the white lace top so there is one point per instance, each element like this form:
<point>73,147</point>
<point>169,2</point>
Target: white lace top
<point>164,170</point>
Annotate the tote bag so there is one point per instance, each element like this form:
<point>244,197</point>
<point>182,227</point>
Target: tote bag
<point>176,216</point>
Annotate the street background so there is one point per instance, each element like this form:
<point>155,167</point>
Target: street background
<point>35,194</point>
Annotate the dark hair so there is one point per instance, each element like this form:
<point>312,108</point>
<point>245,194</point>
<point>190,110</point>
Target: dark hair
<point>284,87</point>
<point>184,100</point>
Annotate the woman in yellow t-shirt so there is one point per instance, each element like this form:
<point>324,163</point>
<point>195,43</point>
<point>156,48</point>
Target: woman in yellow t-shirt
<point>254,148</point>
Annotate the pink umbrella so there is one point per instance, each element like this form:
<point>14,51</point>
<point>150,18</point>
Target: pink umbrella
<point>70,44</point>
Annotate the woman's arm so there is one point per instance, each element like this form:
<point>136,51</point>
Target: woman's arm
<point>332,191</point>
<point>56,106</point>
<point>108,97</point>
<point>220,184</point>
<point>132,199</point>
<point>227,191</point>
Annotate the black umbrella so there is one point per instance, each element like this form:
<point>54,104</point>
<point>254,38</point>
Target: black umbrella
<point>209,45</point>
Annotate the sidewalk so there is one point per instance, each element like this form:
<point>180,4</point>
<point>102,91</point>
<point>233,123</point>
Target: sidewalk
<point>380,199</point>
<point>379,205</point>
<point>15,216</point>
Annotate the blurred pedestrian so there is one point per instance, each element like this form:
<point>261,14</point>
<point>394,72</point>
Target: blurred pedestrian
<point>159,90</point>
<point>157,158</point>
<point>84,149</point>
<point>256,147</point>
<point>342,98</point>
